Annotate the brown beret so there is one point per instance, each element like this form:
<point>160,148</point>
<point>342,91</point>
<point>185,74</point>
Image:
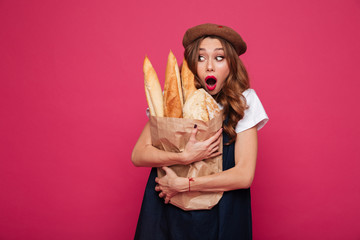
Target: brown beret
<point>209,29</point>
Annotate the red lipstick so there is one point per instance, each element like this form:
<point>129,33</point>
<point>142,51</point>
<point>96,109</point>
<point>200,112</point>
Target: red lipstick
<point>210,82</point>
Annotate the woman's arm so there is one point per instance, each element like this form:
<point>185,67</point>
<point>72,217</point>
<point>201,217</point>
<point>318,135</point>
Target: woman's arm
<point>240,176</point>
<point>146,155</point>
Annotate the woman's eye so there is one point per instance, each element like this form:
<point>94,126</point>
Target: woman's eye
<point>219,58</point>
<point>201,58</point>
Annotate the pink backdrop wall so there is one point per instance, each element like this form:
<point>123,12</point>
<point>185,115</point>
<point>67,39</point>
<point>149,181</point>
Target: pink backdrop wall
<point>73,104</point>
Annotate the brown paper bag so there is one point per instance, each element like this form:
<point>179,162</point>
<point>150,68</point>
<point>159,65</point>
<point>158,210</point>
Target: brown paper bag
<point>172,134</point>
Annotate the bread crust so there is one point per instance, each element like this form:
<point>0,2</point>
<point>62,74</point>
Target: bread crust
<point>153,91</point>
<point>173,97</point>
<point>201,105</point>
<point>187,80</point>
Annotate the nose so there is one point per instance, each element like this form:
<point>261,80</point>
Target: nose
<point>209,66</point>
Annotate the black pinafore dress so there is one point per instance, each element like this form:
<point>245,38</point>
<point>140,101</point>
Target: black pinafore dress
<point>229,219</point>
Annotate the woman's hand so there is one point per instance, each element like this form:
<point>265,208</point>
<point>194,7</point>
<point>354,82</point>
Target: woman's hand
<point>170,184</point>
<point>196,150</point>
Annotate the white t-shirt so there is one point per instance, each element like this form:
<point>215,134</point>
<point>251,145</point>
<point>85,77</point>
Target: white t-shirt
<point>255,115</point>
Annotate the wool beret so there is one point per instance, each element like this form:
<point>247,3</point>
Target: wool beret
<point>209,29</point>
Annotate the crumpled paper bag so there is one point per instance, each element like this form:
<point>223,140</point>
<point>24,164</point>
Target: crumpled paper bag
<point>171,135</point>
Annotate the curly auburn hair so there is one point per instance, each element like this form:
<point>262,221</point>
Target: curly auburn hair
<point>230,96</point>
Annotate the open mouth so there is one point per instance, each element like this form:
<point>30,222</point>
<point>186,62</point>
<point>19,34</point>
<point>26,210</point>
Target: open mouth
<point>210,82</point>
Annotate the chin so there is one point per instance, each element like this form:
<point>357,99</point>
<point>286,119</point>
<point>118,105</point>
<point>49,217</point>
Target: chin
<point>213,92</point>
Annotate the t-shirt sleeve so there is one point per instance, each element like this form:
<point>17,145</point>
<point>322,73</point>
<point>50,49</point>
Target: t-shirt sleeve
<point>255,115</point>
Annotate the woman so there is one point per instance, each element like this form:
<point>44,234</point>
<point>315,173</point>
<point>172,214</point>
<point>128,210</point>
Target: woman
<point>212,54</point>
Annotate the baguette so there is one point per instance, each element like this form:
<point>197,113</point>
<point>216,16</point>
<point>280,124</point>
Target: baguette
<point>187,80</point>
<point>201,106</point>
<point>153,91</point>
<point>173,97</point>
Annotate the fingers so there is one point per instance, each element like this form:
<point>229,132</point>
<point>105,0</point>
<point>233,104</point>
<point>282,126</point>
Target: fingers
<point>166,169</point>
<point>218,133</point>
<point>215,144</point>
<point>159,189</point>
<point>193,134</point>
<point>169,172</point>
<point>163,195</point>
<point>215,154</point>
<point>215,137</point>
<point>215,149</point>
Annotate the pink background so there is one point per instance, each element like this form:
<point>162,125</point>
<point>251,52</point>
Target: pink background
<point>73,105</point>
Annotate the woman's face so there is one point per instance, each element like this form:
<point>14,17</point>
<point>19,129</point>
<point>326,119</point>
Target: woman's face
<point>212,67</point>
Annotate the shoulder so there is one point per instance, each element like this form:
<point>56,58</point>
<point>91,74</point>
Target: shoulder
<point>254,115</point>
<point>250,95</point>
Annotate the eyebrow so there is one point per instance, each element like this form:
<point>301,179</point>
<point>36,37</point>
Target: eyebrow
<point>214,50</point>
